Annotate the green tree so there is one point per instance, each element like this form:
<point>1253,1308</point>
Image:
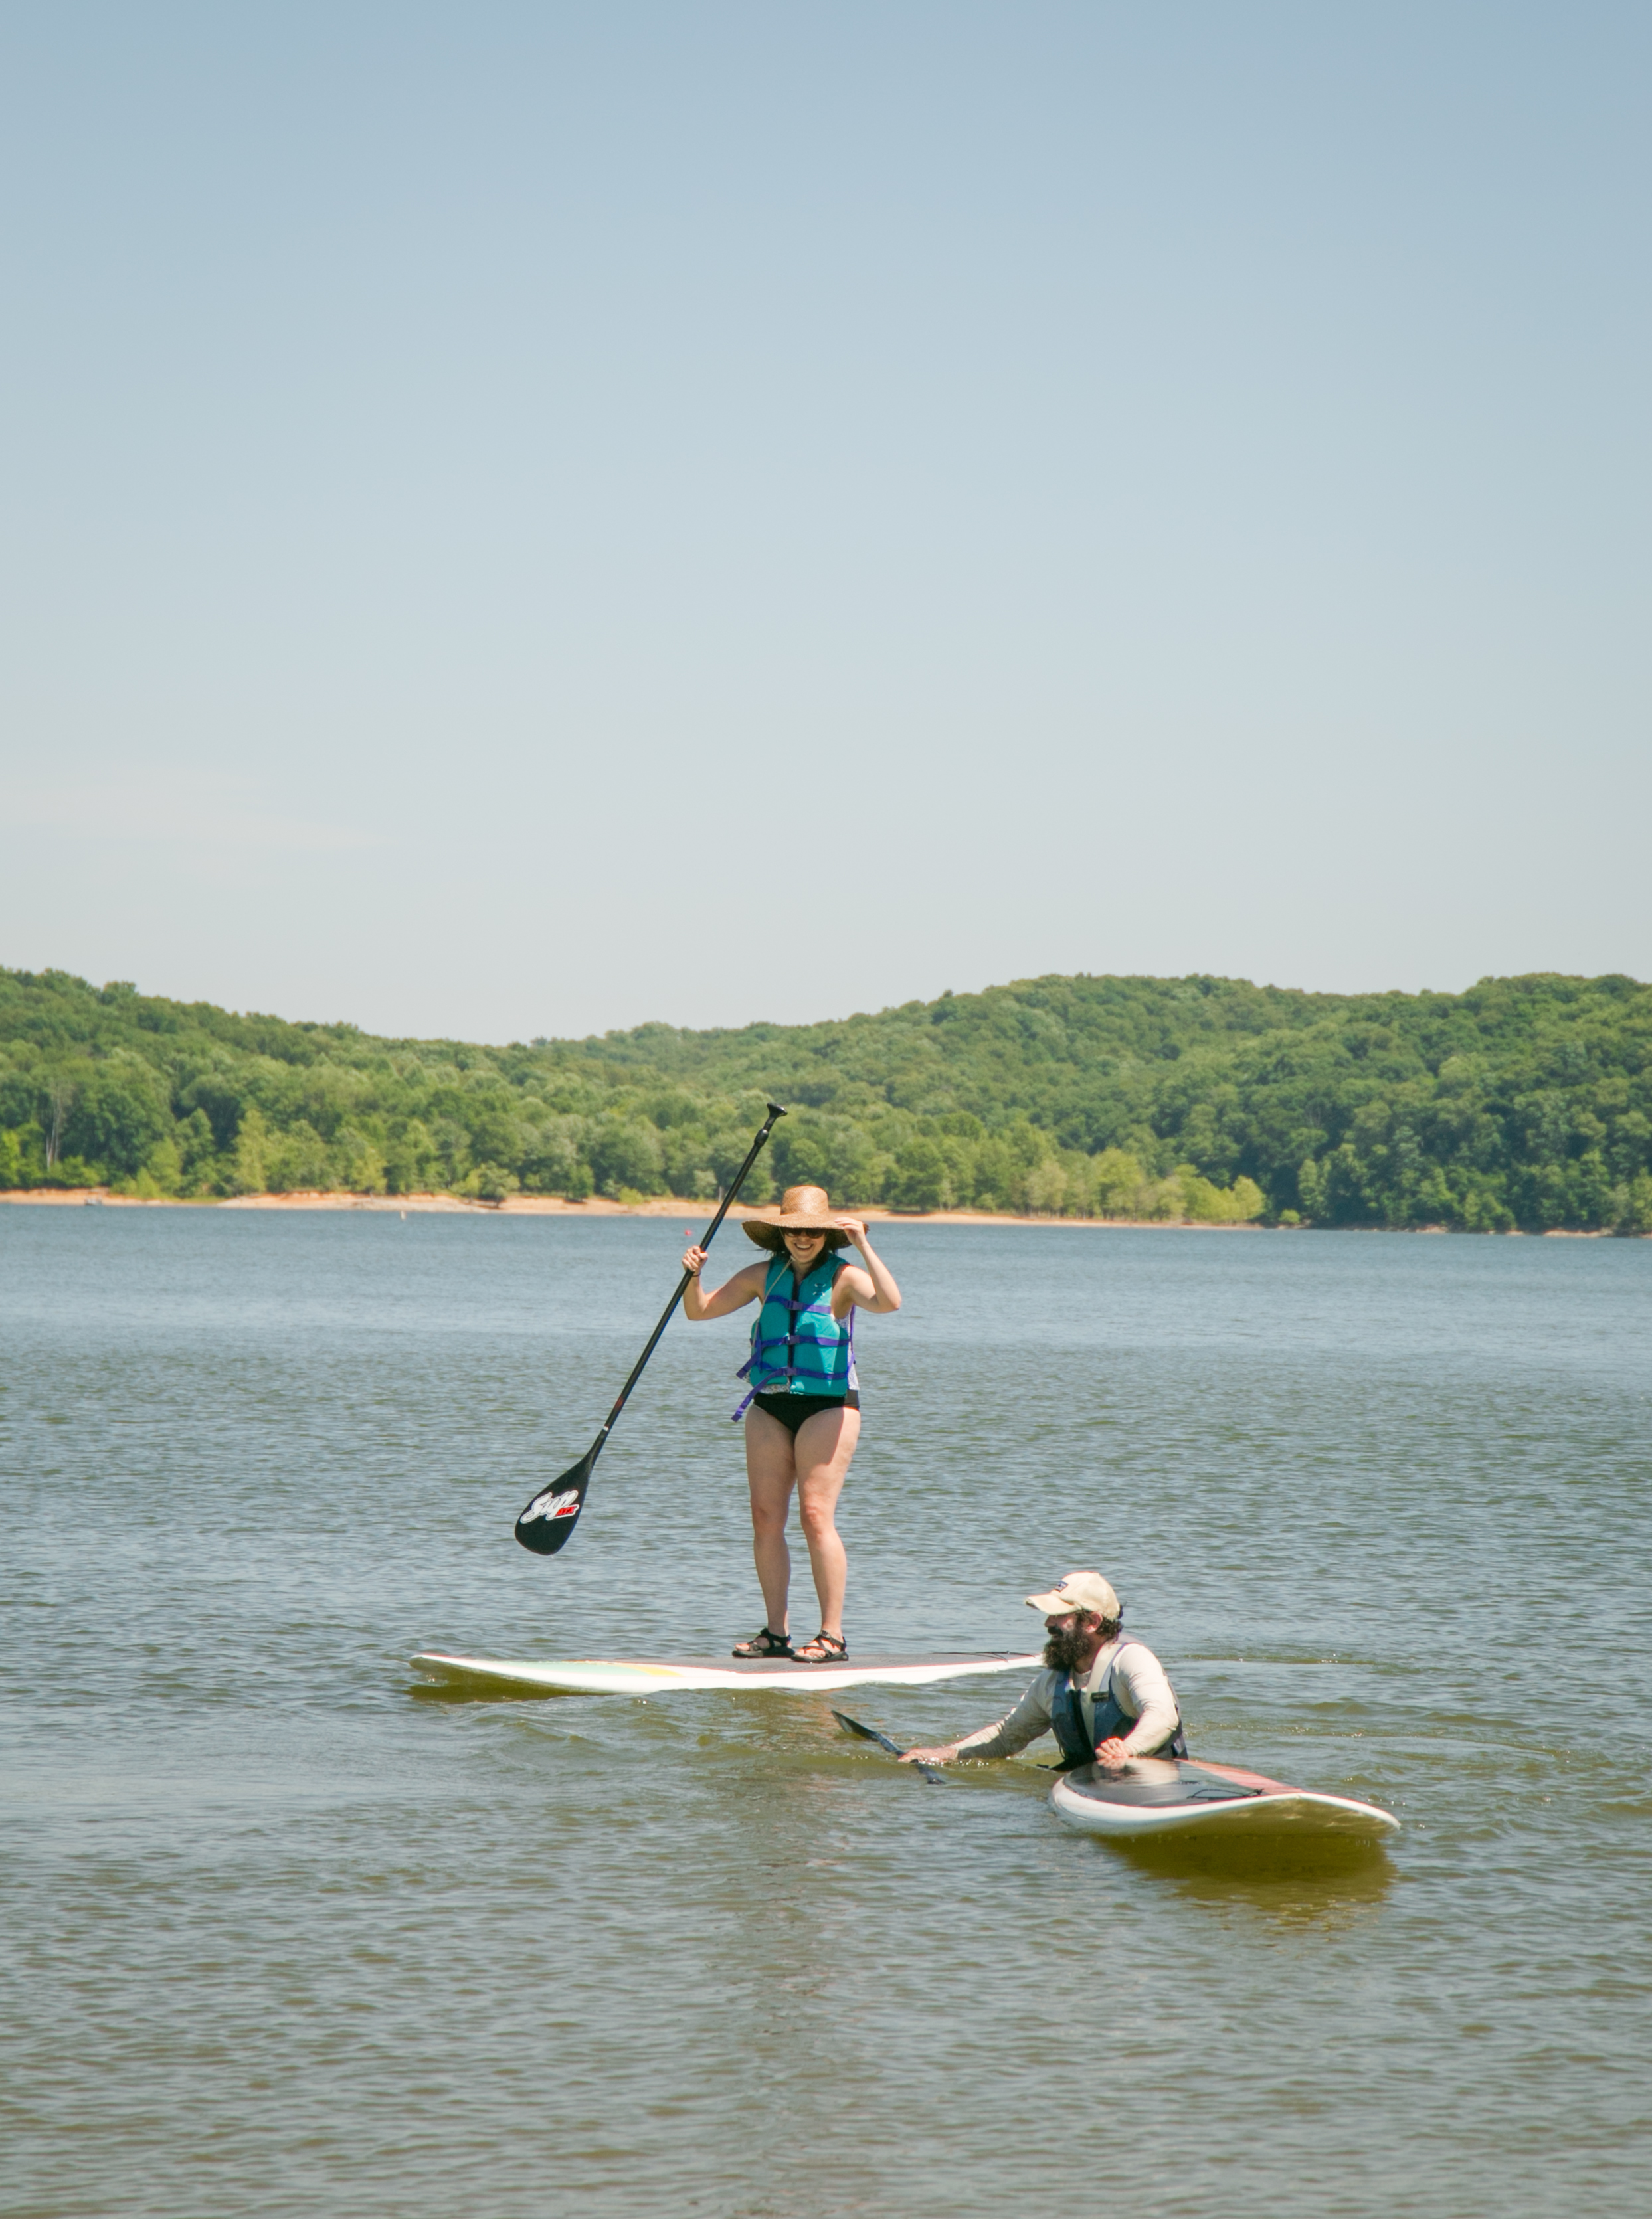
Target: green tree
<point>920,1180</point>
<point>1044,1187</point>
<point>550,1160</point>
<point>197,1153</point>
<point>1632,1211</point>
<point>298,1160</point>
<point>411,1162</point>
<point>625,1151</point>
<point>1206,1203</point>
<point>117,1115</point>
<point>1118,1185</point>
<point>491,1183</point>
<point>247,1159</point>
<point>358,1162</point>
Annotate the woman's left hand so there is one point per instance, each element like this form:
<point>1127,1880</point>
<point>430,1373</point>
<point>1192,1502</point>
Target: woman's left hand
<point>886,1294</point>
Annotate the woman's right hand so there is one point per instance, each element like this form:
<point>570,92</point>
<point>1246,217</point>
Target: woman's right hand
<point>692,1260</point>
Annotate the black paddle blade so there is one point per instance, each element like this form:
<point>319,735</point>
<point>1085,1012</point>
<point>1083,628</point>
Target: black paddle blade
<point>548,1523</point>
<point>866,1733</point>
<point>870,1733</point>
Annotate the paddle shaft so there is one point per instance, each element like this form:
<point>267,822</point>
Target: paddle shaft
<point>870,1733</point>
<point>546,1526</point>
<point>735,1184</point>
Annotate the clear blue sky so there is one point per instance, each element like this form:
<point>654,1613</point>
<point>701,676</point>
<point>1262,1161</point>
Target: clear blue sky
<point>523,520</point>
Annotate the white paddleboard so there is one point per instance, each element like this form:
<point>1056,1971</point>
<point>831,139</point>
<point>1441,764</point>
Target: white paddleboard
<point>1155,1795</point>
<point>604,1676</point>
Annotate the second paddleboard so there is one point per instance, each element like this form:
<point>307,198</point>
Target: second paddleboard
<point>596,1675</point>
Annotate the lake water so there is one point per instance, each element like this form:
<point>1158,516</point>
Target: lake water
<point>282,1935</point>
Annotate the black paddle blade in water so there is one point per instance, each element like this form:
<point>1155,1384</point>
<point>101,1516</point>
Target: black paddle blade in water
<point>548,1523</point>
<point>870,1733</point>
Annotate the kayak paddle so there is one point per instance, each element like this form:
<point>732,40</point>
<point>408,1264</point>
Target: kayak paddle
<point>870,1733</point>
<point>547,1524</point>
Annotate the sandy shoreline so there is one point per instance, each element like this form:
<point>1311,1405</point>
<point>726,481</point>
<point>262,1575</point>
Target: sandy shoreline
<point>667,1205</point>
<point>547,1205</point>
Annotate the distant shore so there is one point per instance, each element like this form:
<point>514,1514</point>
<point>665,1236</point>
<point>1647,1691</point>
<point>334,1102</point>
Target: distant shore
<point>551,1205</point>
<point>668,1205</point>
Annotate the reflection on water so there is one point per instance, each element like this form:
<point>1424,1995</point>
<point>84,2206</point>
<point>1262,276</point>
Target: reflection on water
<point>282,1934</point>
<point>1294,1883</point>
<point>455,1691</point>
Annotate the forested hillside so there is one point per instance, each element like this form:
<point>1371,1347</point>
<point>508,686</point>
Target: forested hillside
<point>1524,1102</point>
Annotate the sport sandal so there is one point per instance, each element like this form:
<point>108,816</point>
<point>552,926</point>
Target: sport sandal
<point>824,1649</point>
<point>764,1645</point>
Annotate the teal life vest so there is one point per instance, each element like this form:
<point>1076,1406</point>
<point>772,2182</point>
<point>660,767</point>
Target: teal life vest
<point>797,1347</point>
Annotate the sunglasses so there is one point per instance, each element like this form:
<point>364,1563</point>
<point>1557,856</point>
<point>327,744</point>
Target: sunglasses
<point>798,1232</point>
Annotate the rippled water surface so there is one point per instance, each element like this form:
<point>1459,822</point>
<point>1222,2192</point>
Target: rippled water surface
<point>283,1935</point>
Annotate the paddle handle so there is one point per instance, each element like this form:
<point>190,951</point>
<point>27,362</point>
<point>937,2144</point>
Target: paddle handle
<point>775,1112</point>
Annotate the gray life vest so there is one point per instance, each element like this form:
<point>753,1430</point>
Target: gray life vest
<point>1078,1742</point>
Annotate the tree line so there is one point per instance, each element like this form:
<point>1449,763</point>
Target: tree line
<point>1525,1103</point>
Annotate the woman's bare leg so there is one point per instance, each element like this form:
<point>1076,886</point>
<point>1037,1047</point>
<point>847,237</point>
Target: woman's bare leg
<point>824,1444</point>
<point>771,1474</point>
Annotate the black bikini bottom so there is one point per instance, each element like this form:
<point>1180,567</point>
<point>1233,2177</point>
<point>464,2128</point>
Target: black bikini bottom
<point>793,1410</point>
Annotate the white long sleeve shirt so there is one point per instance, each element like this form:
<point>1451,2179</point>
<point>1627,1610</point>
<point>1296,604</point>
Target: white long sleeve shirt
<point>1139,1682</point>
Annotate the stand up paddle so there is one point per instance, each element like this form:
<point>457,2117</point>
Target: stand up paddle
<point>547,1524</point>
<point>870,1733</point>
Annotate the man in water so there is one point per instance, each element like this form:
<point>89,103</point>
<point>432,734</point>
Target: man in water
<point>1105,1696</point>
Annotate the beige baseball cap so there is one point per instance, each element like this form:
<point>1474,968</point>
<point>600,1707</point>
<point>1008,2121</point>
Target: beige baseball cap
<point>1077,1591</point>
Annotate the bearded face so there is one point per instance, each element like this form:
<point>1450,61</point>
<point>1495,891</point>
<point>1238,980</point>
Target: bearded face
<point>1064,1649</point>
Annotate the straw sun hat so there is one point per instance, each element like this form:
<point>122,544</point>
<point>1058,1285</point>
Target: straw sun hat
<point>803,1209</point>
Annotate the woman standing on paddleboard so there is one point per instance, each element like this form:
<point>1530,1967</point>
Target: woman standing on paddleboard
<point>802,1415</point>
